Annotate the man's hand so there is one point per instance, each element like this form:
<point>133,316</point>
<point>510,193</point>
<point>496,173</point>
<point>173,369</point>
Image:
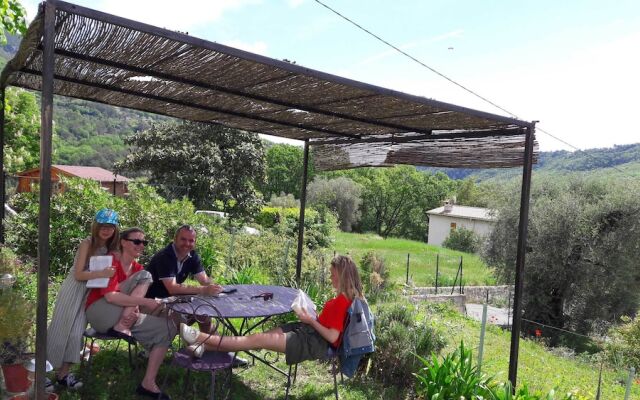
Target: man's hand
<point>211,290</point>
<point>130,316</point>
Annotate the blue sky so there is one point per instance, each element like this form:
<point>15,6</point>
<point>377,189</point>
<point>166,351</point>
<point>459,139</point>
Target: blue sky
<point>572,65</point>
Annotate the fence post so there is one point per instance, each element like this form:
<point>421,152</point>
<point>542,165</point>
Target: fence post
<point>632,372</point>
<point>599,391</point>
<point>437,270</point>
<point>461,290</point>
<point>483,327</point>
<point>407,282</point>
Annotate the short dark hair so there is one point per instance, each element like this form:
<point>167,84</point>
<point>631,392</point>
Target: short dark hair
<point>184,227</point>
<point>125,234</point>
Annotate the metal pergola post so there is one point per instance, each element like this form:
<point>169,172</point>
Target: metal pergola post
<point>303,202</point>
<point>2,174</point>
<point>520,255</point>
<point>46,121</point>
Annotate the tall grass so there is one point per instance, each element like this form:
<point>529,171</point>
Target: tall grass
<point>422,260</point>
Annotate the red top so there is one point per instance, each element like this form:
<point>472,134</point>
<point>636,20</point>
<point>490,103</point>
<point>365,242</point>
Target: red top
<point>114,281</point>
<point>333,314</point>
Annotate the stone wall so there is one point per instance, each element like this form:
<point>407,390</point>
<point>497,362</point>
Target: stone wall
<point>498,295</point>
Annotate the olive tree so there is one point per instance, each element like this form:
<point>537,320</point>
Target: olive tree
<point>340,195</point>
<point>581,270</point>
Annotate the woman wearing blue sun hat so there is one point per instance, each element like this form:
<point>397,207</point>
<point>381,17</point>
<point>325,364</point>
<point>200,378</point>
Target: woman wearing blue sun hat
<point>68,322</point>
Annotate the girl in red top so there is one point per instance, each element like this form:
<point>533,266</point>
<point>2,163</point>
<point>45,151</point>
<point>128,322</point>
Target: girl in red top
<point>305,340</point>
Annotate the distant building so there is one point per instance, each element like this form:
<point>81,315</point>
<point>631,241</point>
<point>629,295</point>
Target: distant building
<point>443,220</point>
<point>113,183</point>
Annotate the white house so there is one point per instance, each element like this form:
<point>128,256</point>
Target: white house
<point>443,220</point>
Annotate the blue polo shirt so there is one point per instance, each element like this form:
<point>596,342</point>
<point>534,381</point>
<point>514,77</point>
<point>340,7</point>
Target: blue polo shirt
<point>164,264</point>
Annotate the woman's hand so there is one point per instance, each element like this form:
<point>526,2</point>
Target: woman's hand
<point>151,304</point>
<point>305,317</point>
<point>106,273</point>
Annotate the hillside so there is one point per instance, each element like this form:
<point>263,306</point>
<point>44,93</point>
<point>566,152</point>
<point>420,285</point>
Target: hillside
<point>603,161</point>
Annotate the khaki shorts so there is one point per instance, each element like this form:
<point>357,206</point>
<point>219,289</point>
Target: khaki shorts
<point>303,343</point>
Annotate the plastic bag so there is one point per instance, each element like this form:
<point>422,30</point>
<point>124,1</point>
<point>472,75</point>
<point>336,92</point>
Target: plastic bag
<point>303,302</point>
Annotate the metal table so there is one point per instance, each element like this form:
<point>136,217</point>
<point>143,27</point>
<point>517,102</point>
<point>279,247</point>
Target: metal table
<point>242,304</point>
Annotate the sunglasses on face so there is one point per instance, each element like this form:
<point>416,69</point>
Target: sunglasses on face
<point>137,242</point>
<point>266,296</point>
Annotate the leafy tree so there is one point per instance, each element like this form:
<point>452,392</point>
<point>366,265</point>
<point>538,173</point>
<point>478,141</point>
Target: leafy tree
<point>12,19</point>
<point>284,170</point>
<point>340,195</point>
<point>395,200</point>
<point>22,130</point>
<point>581,265</point>
<point>216,167</point>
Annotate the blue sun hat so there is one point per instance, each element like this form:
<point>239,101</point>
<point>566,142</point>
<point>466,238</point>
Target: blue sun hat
<point>107,216</point>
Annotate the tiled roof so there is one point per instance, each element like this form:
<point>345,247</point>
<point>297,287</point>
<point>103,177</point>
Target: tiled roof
<point>95,173</point>
<point>484,214</point>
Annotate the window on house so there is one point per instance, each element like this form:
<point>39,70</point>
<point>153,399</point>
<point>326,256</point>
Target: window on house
<point>453,226</point>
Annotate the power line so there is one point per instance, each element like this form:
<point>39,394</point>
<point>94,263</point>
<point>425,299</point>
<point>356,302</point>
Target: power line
<point>460,85</point>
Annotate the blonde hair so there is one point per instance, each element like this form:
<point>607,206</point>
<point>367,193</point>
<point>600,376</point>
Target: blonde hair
<point>349,279</point>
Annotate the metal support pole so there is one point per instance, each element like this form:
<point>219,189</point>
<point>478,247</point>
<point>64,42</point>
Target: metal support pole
<point>407,281</point>
<point>460,291</point>
<point>3,199</point>
<point>46,123</point>
<point>483,327</point>
<point>520,256</point>
<point>437,270</point>
<point>303,202</point>
<point>627,393</point>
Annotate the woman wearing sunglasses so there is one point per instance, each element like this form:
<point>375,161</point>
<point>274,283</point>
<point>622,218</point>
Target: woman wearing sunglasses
<point>125,295</point>
<point>68,322</point>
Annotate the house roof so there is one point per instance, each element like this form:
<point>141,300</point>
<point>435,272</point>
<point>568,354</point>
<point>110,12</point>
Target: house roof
<point>94,173</point>
<point>113,60</point>
<point>478,213</point>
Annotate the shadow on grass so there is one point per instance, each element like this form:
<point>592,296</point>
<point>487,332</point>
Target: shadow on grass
<point>113,378</point>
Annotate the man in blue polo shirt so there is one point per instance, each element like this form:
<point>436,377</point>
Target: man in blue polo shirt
<point>171,266</point>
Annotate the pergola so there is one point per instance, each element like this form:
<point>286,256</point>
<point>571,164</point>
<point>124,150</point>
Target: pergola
<point>82,53</point>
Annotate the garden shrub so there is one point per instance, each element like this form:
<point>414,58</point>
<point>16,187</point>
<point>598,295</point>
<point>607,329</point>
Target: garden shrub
<point>462,239</point>
<point>375,276</point>
<point>623,347</point>
<point>457,377</point>
<point>318,226</point>
<point>399,339</point>
<point>73,210</point>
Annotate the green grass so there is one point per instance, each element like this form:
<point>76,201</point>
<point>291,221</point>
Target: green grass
<point>539,367</point>
<point>112,378</point>
<point>422,260</point>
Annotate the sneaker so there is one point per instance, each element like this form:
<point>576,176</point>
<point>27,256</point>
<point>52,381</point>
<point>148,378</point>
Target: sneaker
<point>238,361</point>
<point>196,349</point>
<point>70,382</point>
<point>48,385</point>
<point>189,334</point>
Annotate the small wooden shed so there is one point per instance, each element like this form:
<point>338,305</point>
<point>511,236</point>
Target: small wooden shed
<point>110,181</point>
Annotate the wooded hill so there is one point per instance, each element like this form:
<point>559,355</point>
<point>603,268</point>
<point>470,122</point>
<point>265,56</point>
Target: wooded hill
<point>619,159</point>
<point>92,134</point>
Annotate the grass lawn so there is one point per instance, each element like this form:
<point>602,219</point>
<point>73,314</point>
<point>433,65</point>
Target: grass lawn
<point>112,378</point>
<point>542,370</point>
<point>422,259</point>
<point>539,367</point>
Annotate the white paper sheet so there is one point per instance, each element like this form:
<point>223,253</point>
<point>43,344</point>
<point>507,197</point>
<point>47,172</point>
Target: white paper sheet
<point>98,263</point>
